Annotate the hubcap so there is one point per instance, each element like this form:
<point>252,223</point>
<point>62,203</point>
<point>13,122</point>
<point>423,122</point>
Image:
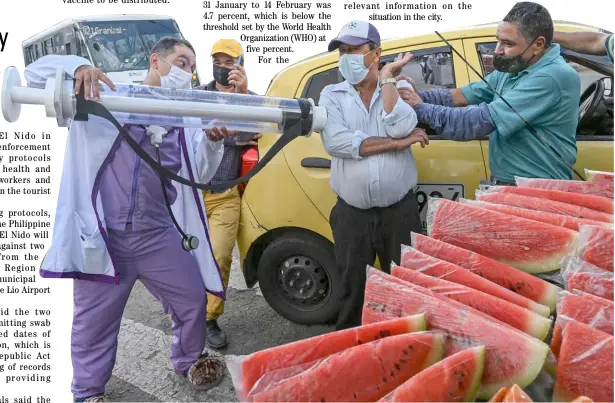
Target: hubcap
<point>304,282</point>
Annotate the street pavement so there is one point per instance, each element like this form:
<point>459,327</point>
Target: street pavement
<point>143,371</point>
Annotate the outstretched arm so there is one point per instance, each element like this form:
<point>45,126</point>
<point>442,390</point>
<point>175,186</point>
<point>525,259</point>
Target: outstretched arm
<point>592,43</point>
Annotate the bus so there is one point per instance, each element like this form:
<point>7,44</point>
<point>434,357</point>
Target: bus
<point>119,45</point>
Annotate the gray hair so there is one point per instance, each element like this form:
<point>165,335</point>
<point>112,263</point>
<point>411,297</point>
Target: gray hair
<point>166,46</point>
<point>532,20</point>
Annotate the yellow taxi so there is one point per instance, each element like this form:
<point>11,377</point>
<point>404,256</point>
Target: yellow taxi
<point>285,241</point>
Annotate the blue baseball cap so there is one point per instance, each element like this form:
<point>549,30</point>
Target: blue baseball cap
<point>355,33</point>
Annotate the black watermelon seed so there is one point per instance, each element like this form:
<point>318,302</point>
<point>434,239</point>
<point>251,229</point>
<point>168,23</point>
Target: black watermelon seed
<point>397,367</point>
<point>402,361</point>
<point>405,352</point>
<point>384,379</point>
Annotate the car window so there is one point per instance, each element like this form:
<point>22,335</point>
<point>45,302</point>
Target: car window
<point>429,68</point>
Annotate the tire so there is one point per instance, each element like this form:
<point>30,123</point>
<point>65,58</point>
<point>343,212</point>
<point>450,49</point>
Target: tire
<point>301,257</point>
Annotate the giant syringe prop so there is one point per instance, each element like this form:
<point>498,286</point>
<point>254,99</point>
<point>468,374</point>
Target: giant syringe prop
<point>145,105</point>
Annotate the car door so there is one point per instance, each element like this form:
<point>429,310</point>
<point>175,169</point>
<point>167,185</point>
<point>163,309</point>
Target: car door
<point>446,169</point>
<point>594,140</point>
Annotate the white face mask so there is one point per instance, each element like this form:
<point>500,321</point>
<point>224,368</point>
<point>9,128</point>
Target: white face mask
<point>353,68</point>
<point>177,78</point>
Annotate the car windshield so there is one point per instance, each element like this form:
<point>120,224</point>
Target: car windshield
<point>125,45</point>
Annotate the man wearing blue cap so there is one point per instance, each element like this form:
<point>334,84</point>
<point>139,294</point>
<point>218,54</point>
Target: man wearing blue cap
<point>368,133</point>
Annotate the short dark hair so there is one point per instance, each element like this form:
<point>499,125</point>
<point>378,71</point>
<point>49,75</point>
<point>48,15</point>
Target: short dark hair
<point>373,45</point>
<point>533,21</point>
<point>166,46</point>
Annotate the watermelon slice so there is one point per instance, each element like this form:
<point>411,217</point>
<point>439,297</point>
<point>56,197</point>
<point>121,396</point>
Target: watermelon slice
<point>572,223</point>
<point>246,370</point>
<point>363,373</point>
<point>499,395</point>
<point>549,206</point>
<point>514,315</point>
<point>582,187</point>
<point>584,308</point>
<point>516,394</point>
<point>511,356</point>
<point>584,276</point>
<point>454,379</point>
<point>527,245</point>
<point>597,203</point>
<point>599,176</point>
<point>585,366</point>
<point>596,246</point>
<point>518,282</point>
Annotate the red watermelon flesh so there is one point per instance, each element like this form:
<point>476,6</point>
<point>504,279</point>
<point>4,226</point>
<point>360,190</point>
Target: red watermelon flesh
<point>255,365</point>
<point>599,176</point>
<point>597,203</point>
<point>585,365</point>
<point>527,245</point>
<point>585,309</point>
<point>526,290</point>
<point>511,355</point>
<point>582,187</point>
<point>514,315</point>
<point>362,373</point>
<point>458,378</point>
<point>602,301</point>
<point>596,246</point>
<point>572,223</point>
<point>583,276</point>
<point>549,206</point>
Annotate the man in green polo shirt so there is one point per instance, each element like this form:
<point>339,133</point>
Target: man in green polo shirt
<point>533,77</point>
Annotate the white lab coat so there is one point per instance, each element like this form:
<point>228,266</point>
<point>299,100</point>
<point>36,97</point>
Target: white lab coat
<point>79,247</point>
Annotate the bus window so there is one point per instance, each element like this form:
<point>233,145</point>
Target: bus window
<point>125,45</point>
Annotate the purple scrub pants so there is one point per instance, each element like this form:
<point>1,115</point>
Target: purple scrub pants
<point>171,274</point>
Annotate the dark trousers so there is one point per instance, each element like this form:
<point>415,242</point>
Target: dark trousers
<point>359,236</point>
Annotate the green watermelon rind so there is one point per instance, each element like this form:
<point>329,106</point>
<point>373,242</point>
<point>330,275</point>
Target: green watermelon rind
<point>537,354</point>
<point>478,375</point>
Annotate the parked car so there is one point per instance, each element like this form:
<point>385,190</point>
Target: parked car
<point>285,241</point>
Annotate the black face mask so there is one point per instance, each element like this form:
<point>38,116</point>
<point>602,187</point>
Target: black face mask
<point>512,64</point>
<point>221,75</point>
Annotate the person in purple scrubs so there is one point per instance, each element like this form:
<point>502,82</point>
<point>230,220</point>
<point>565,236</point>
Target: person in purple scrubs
<point>113,227</point>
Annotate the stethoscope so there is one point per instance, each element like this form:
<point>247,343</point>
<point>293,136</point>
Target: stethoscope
<point>156,134</point>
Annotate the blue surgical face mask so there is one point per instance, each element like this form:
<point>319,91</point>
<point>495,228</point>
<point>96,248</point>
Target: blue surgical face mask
<point>353,68</point>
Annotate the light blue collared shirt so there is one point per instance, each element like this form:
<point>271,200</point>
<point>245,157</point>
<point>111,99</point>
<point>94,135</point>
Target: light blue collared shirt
<point>364,182</point>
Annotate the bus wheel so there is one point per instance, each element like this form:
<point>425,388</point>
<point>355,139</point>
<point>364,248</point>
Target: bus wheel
<point>299,280</point>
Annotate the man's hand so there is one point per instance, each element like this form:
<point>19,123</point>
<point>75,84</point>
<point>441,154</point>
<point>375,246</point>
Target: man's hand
<point>251,142</point>
<point>408,79</point>
<point>238,79</point>
<point>220,133</point>
<point>88,77</point>
<point>416,136</point>
<point>410,97</point>
<point>394,68</point>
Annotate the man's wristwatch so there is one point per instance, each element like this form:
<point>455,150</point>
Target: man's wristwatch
<point>391,80</point>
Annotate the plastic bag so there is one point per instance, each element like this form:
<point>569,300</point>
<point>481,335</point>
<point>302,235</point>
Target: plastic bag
<point>363,373</point>
<point>583,308</point>
<point>549,206</point>
<point>541,294</point>
<point>246,370</point>
<point>585,365</point>
<point>561,220</point>
<point>454,379</point>
<point>583,276</point>
<point>597,203</point>
<point>527,245</point>
<point>511,355</point>
<point>603,189</point>
<point>596,246</point>
<point>520,318</point>
<point>599,176</point>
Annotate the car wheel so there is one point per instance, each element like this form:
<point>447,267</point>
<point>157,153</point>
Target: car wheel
<point>299,280</point>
